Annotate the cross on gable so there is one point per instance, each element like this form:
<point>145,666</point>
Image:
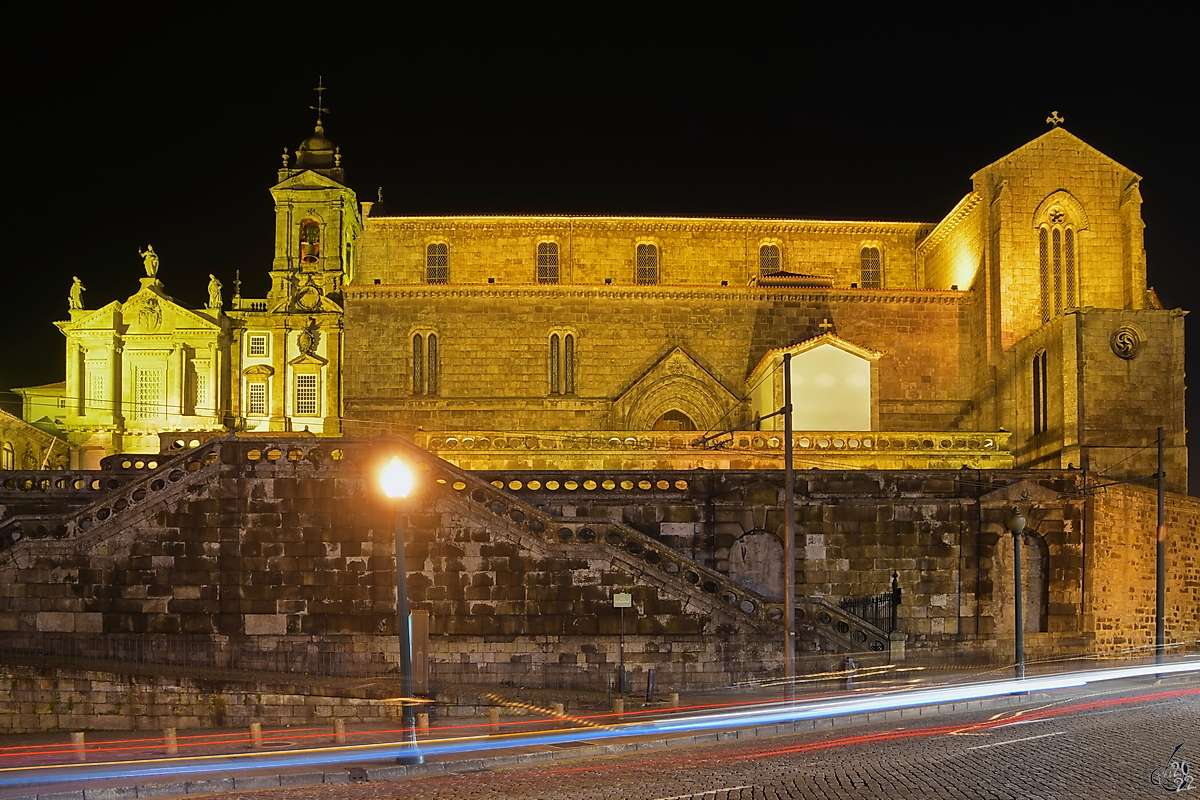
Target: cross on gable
<point>826,325</point>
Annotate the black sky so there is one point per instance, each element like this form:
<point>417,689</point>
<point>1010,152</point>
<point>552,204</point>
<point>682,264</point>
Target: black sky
<point>168,130</point>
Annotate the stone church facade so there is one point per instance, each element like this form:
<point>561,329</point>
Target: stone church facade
<point>1016,331</point>
<point>592,403</point>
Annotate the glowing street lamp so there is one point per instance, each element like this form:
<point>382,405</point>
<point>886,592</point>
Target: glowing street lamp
<point>397,481</point>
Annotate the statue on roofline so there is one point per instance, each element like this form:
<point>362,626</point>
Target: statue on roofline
<point>75,298</point>
<point>150,261</point>
<point>214,291</point>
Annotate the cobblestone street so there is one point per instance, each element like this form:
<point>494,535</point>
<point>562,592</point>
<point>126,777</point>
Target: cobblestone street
<point>1103,745</point>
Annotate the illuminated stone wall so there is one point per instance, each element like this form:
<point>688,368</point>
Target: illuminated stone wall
<point>1122,583</point>
<point>493,349</point>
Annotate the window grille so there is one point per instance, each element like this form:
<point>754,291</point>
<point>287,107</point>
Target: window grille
<point>1058,274</point>
<point>647,265</point>
<point>769,260</point>
<point>95,393</point>
<point>1069,257</point>
<point>306,396</point>
<point>9,457</point>
<point>256,398</point>
<point>148,392</point>
<point>418,364</point>
<point>872,268</point>
<point>257,345</point>
<point>568,364</point>
<point>547,262</point>
<point>1044,272</point>
<point>437,263</point>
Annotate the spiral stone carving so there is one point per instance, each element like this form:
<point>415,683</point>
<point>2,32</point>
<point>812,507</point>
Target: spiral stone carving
<point>1126,342</point>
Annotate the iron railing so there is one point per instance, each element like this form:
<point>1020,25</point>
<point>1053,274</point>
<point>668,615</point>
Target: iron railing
<point>877,609</point>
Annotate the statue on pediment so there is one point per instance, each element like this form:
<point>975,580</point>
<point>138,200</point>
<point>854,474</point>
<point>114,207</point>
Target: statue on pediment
<point>214,292</point>
<point>149,261</point>
<point>75,298</point>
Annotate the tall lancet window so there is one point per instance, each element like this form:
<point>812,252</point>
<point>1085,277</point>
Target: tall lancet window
<point>437,263</point>
<point>1041,415</point>
<point>562,363</point>
<point>425,363</point>
<point>647,265</point>
<point>1058,274</point>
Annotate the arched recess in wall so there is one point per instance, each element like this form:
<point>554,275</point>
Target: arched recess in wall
<point>756,562</point>
<point>677,393</point>
<point>1035,579</point>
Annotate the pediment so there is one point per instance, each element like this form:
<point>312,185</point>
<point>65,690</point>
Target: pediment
<point>1020,493</point>
<point>98,319</point>
<point>308,360</point>
<point>259,370</point>
<point>771,357</point>
<point>675,382</point>
<point>309,180</point>
<point>151,311</point>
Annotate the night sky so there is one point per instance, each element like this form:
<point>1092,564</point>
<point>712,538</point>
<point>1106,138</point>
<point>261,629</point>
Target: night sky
<point>123,132</point>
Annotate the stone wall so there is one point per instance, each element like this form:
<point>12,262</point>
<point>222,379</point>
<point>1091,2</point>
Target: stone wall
<point>593,250</point>
<point>493,350</point>
<point>1123,579</point>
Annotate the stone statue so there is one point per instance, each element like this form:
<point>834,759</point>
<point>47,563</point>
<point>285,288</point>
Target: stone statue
<point>150,260</point>
<point>214,292</point>
<point>75,299</point>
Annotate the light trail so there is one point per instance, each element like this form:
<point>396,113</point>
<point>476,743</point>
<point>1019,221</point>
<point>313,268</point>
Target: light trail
<point>768,714</point>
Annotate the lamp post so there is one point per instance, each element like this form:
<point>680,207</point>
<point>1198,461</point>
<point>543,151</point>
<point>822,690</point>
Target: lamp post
<point>397,482</point>
<point>1016,525</point>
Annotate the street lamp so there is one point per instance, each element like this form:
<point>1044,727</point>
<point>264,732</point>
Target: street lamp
<point>397,482</point>
<point>1016,525</point>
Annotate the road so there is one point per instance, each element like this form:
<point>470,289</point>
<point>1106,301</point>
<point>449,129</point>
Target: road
<point>1102,744</point>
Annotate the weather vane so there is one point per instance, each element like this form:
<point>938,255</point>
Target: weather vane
<point>1054,119</point>
<point>320,107</point>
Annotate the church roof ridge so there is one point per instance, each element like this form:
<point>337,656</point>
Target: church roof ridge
<point>1056,132</point>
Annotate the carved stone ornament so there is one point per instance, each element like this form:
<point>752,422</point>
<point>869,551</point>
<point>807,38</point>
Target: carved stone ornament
<point>1126,342</point>
<point>150,314</point>
<point>309,338</point>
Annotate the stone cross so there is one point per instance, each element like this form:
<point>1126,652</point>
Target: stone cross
<point>1054,119</point>
<point>826,325</point>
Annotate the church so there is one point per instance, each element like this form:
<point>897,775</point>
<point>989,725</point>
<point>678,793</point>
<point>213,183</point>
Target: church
<point>1016,331</point>
<point>597,408</point>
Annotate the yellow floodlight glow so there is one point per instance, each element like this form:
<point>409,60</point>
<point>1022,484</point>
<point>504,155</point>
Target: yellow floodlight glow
<point>396,479</point>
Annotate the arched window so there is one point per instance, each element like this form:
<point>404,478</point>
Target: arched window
<point>547,262</point>
<point>871,272</point>
<point>8,457</point>
<point>437,263</point>
<point>1041,416</point>
<point>769,259</point>
<point>424,363</point>
<point>310,241</point>
<point>1057,273</point>
<point>647,265</point>
<point>562,363</point>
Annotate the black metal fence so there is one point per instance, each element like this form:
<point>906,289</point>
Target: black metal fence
<point>877,609</point>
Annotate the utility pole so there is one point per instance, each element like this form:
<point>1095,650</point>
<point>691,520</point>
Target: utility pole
<point>1160,578</point>
<point>789,535</point>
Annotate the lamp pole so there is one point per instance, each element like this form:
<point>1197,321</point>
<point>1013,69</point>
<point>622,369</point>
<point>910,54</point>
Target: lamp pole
<point>397,483</point>
<point>1016,525</point>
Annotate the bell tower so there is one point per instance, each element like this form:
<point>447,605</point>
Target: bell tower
<point>289,345</point>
